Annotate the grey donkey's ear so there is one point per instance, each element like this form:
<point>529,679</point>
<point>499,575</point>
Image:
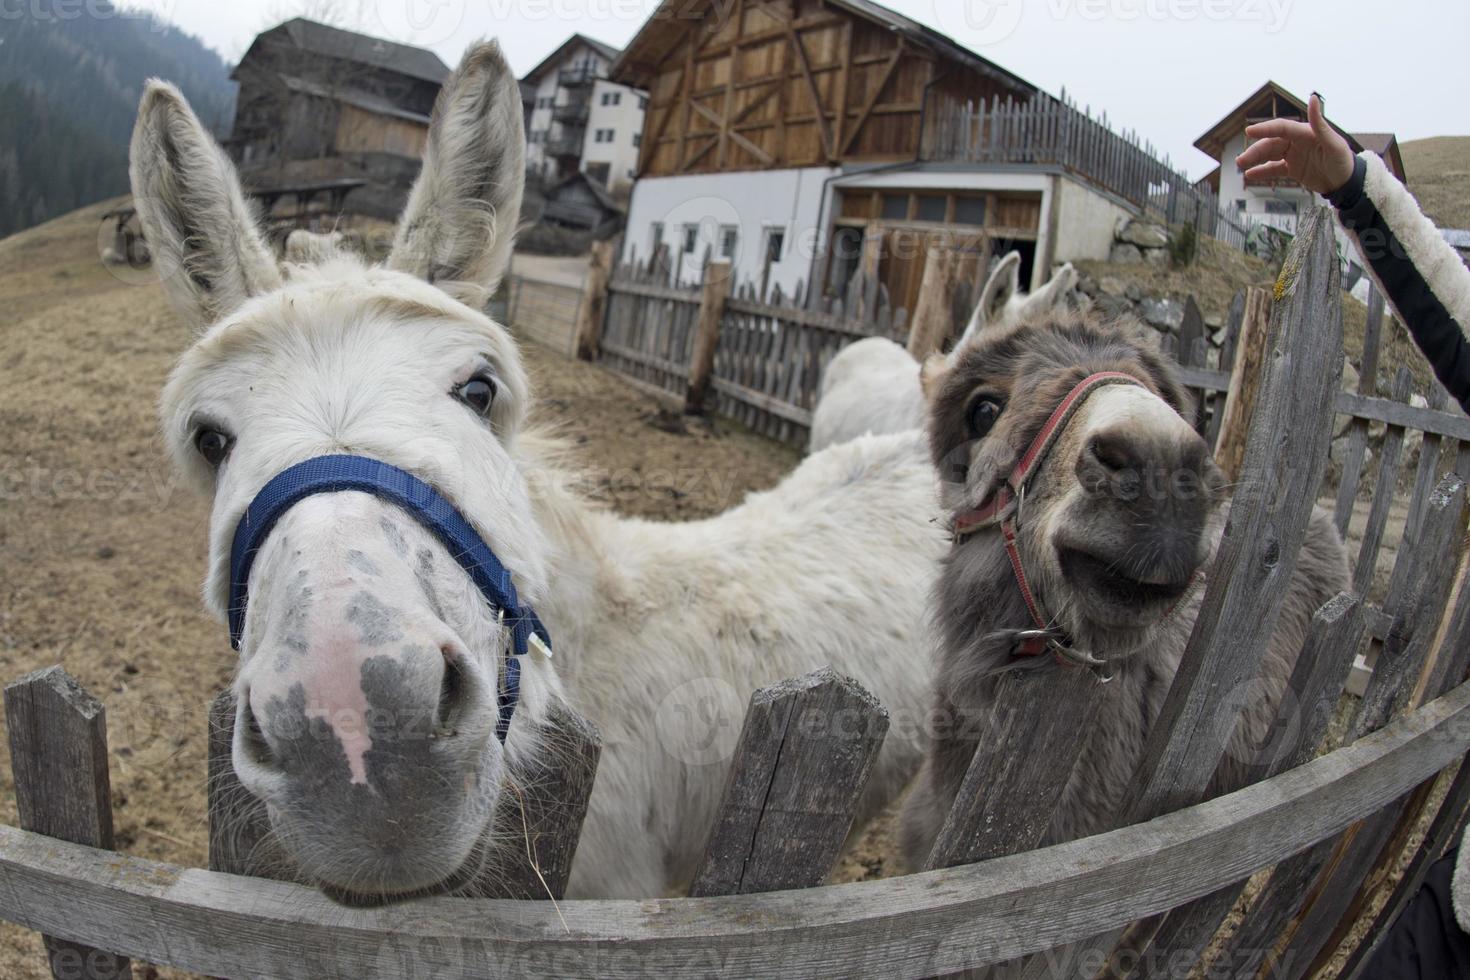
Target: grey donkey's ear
<point>459,225</point>
<point>206,245</point>
<point>1003,284</point>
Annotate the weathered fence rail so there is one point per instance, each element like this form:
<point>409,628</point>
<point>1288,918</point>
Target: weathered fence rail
<point>1329,821</point>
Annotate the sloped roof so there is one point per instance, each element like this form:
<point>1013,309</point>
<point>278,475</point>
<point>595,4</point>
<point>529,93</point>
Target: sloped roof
<point>334,42</point>
<point>604,198</point>
<point>663,31</point>
<point>552,60</point>
<point>1385,145</point>
<point>363,100</point>
<point>1214,139</point>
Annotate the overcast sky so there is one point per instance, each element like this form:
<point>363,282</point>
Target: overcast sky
<point>1166,68</point>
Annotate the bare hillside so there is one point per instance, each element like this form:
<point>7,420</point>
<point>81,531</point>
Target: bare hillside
<point>1439,176</point>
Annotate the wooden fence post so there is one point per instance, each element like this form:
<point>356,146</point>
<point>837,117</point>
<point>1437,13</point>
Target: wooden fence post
<point>934,316</point>
<point>716,291</point>
<point>58,758</point>
<point>1245,380</point>
<point>804,756</point>
<point>1038,725</point>
<point>544,807</point>
<point>593,310</point>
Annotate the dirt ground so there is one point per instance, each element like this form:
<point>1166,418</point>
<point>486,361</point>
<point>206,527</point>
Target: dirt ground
<point>102,552</point>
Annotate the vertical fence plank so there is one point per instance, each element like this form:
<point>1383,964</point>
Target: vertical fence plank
<point>712,299</point>
<point>1245,379</point>
<point>1025,751</point>
<point>934,320</point>
<point>804,756</point>
<point>592,314</point>
<point>1383,492</point>
<point>1357,435</point>
<point>545,806</point>
<point>58,758</point>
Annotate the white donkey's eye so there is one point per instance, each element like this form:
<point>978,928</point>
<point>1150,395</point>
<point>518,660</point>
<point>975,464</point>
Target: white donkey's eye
<point>478,393</point>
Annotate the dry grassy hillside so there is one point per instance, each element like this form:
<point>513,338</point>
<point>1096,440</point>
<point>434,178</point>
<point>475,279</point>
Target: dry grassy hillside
<point>1439,175</point>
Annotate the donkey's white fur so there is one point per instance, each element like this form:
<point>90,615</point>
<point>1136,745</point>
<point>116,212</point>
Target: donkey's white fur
<point>661,631</point>
<point>872,385</point>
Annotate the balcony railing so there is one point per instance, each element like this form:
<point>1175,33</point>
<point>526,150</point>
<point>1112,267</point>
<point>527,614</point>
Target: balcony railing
<point>566,144</point>
<point>574,113</point>
<point>572,77</point>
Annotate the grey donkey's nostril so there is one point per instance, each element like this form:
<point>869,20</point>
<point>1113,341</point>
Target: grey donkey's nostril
<point>1114,450</point>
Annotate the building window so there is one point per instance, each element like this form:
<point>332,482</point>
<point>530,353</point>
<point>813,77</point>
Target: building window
<point>691,238</point>
<point>775,244</point>
<point>895,206</point>
<point>969,210</point>
<point>603,136</point>
<point>656,236</point>
<point>930,207</point>
<point>1275,205</point>
<point>637,139</point>
<point>1240,204</point>
<point>642,102</point>
<point>729,238</point>
<point>612,98</point>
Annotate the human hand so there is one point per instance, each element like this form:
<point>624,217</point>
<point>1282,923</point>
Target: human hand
<point>1312,153</point>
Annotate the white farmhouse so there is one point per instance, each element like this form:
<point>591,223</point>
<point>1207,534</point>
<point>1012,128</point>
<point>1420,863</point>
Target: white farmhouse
<point>1274,202</point>
<point>579,121</point>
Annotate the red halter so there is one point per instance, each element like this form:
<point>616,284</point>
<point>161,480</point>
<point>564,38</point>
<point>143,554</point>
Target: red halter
<point>1003,507</point>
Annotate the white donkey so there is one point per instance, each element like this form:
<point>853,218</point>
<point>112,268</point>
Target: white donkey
<point>370,662</point>
<point>872,385</point>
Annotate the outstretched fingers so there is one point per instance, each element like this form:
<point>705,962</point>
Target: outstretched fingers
<point>1262,151</point>
<point>1269,171</point>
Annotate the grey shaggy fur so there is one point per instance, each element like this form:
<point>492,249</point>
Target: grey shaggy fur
<point>976,596</point>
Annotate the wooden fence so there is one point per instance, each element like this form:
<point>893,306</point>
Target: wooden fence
<point>768,352</point>
<point>1054,132</point>
<point>1331,819</point>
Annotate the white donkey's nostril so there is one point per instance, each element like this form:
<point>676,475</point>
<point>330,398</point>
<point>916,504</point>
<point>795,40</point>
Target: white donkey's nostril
<point>454,692</point>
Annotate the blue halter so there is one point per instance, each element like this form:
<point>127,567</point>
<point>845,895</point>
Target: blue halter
<point>332,474</point>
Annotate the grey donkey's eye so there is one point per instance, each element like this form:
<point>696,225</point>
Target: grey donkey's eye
<point>478,393</point>
<point>982,416</point>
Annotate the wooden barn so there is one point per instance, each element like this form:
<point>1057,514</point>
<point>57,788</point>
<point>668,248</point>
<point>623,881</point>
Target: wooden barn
<point>804,140</point>
<point>320,106</point>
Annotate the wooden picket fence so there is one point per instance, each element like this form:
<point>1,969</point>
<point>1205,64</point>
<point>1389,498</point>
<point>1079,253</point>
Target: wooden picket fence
<point>1330,818</point>
<point>1054,132</point>
<point>759,359</point>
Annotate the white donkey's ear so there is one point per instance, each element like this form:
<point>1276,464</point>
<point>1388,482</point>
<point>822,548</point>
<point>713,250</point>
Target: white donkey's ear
<point>1003,284</point>
<point>460,222</point>
<point>206,245</point>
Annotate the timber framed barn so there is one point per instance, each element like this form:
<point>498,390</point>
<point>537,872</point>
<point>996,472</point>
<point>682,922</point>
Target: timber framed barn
<point>808,140</point>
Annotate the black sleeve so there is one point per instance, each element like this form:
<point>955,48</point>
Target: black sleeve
<point>1422,293</point>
